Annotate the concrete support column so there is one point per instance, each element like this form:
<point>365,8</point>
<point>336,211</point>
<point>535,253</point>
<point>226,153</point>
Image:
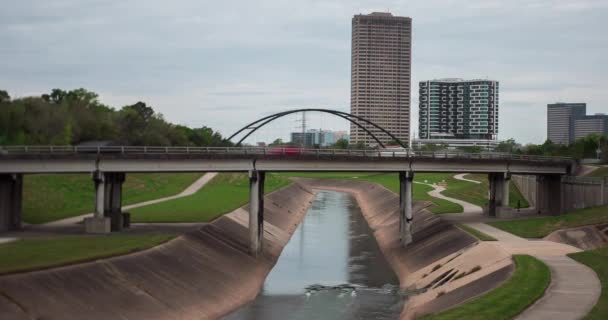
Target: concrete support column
<point>549,194</point>
<point>113,200</point>
<point>499,192</point>
<point>505,189</point>
<point>99,223</point>
<point>405,206</point>
<point>11,194</point>
<point>256,211</point>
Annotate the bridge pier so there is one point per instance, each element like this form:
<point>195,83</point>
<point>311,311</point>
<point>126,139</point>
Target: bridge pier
<point>549,195</point>
<point>499,192</point>
<point>11,193</point>
<point>256,211</point>
<point>405,206</point>
<point>108,214</point>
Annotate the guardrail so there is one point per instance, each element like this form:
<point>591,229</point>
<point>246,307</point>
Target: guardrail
<point>268,151</point>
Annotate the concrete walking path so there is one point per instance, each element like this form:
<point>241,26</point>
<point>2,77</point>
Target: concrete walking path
<point>462,178</point>
<point>468,208</point>
<point>574,288</point>
<point>190,190</point>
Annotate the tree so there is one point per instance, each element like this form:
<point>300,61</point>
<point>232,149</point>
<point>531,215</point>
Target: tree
<point>277,141</point>
<point>341,144</point>
<point>508,145</point>
<point>4,96</point>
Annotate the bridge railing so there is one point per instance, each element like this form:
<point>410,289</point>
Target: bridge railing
<point>270,151</point>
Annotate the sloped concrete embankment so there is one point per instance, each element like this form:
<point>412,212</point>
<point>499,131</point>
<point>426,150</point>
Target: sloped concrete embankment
<point>585,238</point>
<point>200,275</point>
<point>448,264</point>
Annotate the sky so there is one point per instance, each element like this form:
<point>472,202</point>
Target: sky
<point>223,64</point>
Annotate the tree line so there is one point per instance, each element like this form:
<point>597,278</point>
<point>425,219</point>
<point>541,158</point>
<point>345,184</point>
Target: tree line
<point>76,116</point>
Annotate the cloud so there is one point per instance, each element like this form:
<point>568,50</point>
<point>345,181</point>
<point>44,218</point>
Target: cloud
<point>224,63</point>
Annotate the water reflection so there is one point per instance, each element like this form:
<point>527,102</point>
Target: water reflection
<point>331,268</point>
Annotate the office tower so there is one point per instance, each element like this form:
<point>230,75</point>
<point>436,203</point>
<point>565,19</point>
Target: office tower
<point>457,109</point>
<point>561,120</point>
<point>380,75</point>
<point>587,125</point>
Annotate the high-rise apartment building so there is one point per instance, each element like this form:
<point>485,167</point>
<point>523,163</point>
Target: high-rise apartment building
<point>561,121</point>
<point>381,75</point>
<point>458,109</point>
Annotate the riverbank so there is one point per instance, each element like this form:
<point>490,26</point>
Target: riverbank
<point>201,275</point>
<point>447,262</point>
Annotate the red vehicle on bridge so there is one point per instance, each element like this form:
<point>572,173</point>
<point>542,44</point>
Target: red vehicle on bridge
<point>289,149</point>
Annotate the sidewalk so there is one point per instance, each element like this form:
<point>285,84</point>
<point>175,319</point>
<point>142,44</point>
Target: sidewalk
<point>469,209</point>
<point>574,288</point>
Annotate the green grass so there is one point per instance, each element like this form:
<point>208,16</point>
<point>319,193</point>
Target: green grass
<point>476,233</point>
<point>599,172</point>
<point>540,227</point>
<point>477,193</point>
<point>225,193</point>
<point>53,197</point>
<point>598,261</point>
<point>391,182</point>
<point>528,283</point>
<point>39,253</point>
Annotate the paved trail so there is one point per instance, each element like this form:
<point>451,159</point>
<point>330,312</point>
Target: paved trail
<point>190,190</point>
<point>461,177</point>
<point>574,288</point>
<point>469,208</point>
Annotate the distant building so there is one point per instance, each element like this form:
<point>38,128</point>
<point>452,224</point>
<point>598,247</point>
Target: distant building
<point>381,75</point>
<point>451,144</point>
<point>587,125</point>
<point>458,109</point>
<point>567,122</point>
<point>316,137</point>
<point>561,119</point>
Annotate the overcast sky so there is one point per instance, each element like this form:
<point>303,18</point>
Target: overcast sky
<point>223,63</point>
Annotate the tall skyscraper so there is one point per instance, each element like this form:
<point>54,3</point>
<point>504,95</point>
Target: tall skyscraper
<point>458,109</point>
<point>561,119</point>
<point>381,75</point>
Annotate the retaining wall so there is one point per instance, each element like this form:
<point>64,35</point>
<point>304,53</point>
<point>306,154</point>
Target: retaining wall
<point>577,192</point>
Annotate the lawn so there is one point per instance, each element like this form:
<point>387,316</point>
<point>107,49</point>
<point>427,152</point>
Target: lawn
<point>57,196</point>
<point>478,193</point>
<point>476,233</point>
<point>599,172</point>
<point>528,284</point>
<point>391,182</point>
<point>225,193</point>
<point>598,261</point>
<point>540,227</point>
<point>39,253</point>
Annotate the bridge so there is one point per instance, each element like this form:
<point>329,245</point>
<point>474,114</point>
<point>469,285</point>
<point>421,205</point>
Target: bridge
<point>108,166</point>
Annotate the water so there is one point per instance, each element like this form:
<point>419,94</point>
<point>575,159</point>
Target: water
<point>331,268</point>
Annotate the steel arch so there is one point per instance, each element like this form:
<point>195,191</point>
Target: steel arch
<point>254,126</point>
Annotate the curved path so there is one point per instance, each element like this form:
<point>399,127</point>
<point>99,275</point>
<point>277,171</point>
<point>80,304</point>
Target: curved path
<point>190,190</point>
<point>574,288</point>
<point>468,208</point>
<point>461,177</point>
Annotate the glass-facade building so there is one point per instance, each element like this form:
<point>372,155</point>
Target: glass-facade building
<point>458,109</point>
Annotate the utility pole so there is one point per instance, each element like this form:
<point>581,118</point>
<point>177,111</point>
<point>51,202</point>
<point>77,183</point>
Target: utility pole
<point>303,127</point>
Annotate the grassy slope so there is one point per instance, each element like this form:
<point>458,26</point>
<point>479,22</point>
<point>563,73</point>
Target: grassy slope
<point>599,172</point>
<point>39,253</point>
<point>476,233</point>
<point>527,284</point>
<point>598,261</point>
<point>391,182</point>
<point>52,197</point>
<point>223,194</point>
<point>478,193</point>
<point>540,227</point>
